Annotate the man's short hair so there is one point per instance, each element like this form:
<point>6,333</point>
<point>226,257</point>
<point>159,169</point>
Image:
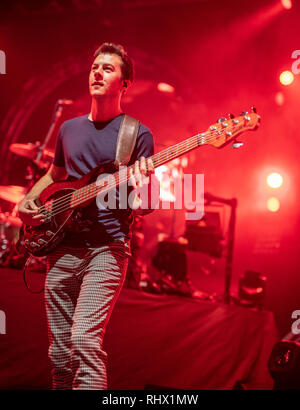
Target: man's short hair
<point>112,48</point>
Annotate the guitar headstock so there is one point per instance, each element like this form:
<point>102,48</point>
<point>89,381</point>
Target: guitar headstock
<point>226,130</point>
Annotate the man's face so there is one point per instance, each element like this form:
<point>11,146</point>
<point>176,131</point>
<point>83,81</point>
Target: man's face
<point>106,76</point>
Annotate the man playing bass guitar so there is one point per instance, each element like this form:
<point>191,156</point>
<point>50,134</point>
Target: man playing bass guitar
<point>86,271</point>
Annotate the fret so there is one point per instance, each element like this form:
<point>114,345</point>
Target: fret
<point>201,139</point>
<point>177,150</point>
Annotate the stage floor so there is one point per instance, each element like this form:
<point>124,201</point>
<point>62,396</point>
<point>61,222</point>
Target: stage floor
<point>152,340</point>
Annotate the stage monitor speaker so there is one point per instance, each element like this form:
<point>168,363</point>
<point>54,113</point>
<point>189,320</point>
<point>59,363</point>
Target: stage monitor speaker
<point>284,365</point>
<point>205,235</point>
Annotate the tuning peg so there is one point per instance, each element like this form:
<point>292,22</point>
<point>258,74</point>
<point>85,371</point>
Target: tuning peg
<point>222,119</point>
<point>237,144</point>
<point>231,116</point>
<point>253,109</point>
<point>244,113</point>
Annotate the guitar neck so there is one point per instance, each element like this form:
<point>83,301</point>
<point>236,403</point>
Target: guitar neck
<point>218,135</point>
<point>179,149</point>
<point>92,190</point>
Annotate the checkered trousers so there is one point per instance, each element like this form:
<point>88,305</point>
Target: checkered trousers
<point>81,289</point>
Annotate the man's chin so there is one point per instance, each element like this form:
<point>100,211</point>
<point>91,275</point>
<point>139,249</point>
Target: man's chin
<point>96,94</point>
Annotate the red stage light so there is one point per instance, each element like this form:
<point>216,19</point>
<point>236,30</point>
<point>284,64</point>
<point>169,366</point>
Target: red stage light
<point>279,98</point>
<point>274,180</point>
<point>286,4</point>
<point>273,204</point>
<point>286,77</point>
<point>165,88</point>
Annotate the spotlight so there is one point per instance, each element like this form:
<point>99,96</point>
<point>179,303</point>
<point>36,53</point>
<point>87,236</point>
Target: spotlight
<point>252,286</point>
<point>286,4</point>
<point>284,365</point>
<point>184,162</point>
<point>165,88</point>
<point>279,98</point>
<point>286,77</point>
<point>274,180</point>
<point>273,204</point>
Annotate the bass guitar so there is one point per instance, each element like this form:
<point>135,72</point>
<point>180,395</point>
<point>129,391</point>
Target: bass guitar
<point>62,202</point>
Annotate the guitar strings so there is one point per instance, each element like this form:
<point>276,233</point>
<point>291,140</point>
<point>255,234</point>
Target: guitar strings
<point>59,205</point>
<point>163,155</point>
<point>179,149</point>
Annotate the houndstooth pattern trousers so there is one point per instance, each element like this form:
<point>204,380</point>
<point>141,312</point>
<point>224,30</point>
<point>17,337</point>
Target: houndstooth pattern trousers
<point>82,286</point>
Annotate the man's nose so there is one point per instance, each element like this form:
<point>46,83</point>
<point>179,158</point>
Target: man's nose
<point>99,73</point>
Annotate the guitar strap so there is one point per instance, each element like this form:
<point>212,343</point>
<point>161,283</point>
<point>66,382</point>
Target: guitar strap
<point>126,140</point>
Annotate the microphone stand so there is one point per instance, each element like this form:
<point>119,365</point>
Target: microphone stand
<point>231,231</point>
<point>57,115</point>
<point>33,174</point>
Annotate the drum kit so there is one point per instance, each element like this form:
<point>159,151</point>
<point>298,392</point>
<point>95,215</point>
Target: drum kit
<point>12,250</point>
<point>12,253</point>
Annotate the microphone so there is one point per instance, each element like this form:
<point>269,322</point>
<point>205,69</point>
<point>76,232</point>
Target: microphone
<point>65,101</point>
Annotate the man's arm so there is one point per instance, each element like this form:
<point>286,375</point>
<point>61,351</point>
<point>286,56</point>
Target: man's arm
<point>54,174</point>
<point>28,210</point>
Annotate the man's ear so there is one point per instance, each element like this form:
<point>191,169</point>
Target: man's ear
<point>126,84</point>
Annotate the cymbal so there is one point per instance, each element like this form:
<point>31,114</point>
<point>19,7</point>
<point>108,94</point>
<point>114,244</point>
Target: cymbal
<point>30,151</point>
<point>5,218</point>
<point>12,193</point>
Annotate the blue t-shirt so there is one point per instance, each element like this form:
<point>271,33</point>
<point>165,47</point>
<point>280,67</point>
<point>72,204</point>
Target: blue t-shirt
<point>83,145</point>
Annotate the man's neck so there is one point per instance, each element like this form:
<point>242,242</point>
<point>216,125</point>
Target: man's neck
<point>103,112</point>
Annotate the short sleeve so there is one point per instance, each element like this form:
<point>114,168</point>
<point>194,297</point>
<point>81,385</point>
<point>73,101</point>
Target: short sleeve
<point>59,159</point>
<point>144,146</point>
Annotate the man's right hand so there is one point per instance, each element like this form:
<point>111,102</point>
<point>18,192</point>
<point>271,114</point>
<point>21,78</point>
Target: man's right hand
<point>29,212</point>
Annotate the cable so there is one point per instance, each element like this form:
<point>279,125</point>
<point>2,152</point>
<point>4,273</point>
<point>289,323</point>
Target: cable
<point>24,276</point>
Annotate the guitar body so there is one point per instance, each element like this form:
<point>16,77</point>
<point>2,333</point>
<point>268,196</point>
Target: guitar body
<point>40,240</point>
